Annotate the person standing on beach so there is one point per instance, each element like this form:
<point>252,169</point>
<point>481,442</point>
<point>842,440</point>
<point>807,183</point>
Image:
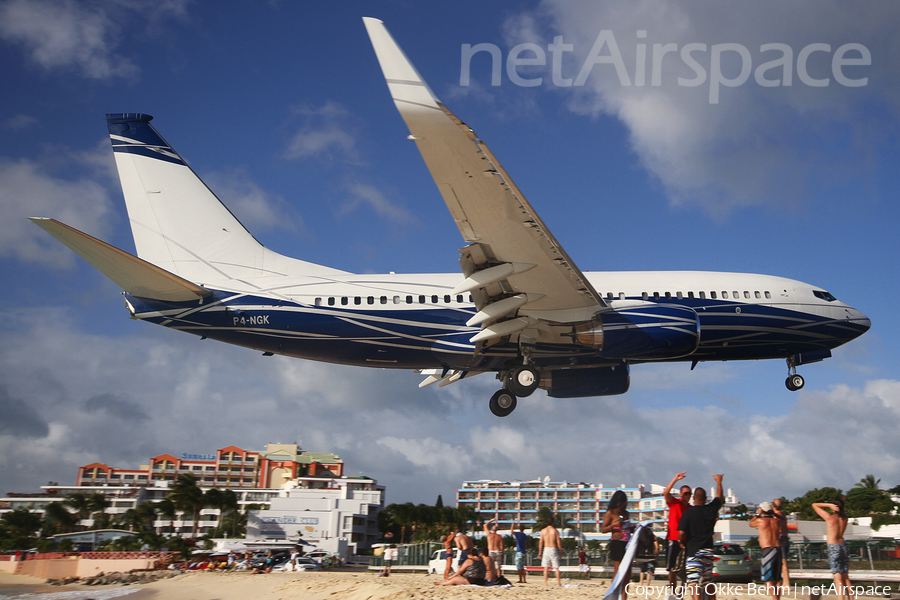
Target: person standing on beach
<point>521,549</point>
<point>676,507</point>
<point>695,531</point>
<point>769,527</point>
<point>616,522</point>
<point>448,551</point>
<point>784,541</point>
<point>494,544</point>
<point>549,547</point>
<point>838,557</point>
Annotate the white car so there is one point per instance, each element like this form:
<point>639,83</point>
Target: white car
<point>317,555</point>
<point>438,563</point>
<point>304,563</point>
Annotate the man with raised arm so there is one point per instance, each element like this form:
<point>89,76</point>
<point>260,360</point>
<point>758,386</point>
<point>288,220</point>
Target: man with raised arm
<point>695,531</point>
<point>676,506</point>
<point>769,526</point>
<point>784,541</point>
<point>835,524</point>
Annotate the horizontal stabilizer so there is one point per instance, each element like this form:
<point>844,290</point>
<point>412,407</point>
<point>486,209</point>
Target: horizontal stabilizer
<point>134,275</point>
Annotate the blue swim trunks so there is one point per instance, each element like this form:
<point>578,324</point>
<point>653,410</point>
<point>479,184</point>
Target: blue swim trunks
<point>838,558</point>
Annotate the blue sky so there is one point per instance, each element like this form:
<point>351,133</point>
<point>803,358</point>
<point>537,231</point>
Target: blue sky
<point>281,108</point>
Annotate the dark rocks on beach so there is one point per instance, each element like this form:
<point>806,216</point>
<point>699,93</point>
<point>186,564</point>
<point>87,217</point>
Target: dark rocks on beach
<point>129,578</point>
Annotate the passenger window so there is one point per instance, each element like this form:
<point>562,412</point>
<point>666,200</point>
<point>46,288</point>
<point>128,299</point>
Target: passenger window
<point>609,295</point>
<point>470,297</point>
<point>384,299</point>
<point>757,295</point>
<point>421,299</point>
<point>434,299</point>
<point>331,301</point>
<point>345,301</point>
<point>621,295</point>
<point>409,299</point>
<point>690,294</point>
<point>357,300</point>
<point>371,299</point>
<point>735,295</point>
<point>644,295</point>
<point>724,295</point>
<point>459,298</point>
<point>447,299</point>
<point>703,295</point>
<point>747,295</point>
<point>318,302</point>
<point>396,299</point>
<point>656,295</point>
<point>768,295</point>
<point>668,295</point>
<point>679,295</point>
<point>712,295</point>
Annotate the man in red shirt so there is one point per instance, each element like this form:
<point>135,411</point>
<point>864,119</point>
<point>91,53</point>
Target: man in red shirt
<point>677,507</point>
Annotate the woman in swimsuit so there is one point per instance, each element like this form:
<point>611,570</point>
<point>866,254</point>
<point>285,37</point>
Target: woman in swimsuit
<point>616,521</point>
<point>471,572</point>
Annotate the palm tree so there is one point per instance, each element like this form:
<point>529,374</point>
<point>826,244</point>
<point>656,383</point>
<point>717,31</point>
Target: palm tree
<point>868,482</point>
<point>98,503</point>
<point>80,503</point>
<point>58,519</point>
<point>188,498</point>
<point>167,510</point>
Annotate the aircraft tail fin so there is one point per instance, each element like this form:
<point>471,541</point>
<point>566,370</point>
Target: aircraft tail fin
<point>178,223</point>
<point>137,277</point>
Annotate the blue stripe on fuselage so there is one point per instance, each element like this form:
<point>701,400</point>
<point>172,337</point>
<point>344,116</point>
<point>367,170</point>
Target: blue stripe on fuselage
<point>437,336</point>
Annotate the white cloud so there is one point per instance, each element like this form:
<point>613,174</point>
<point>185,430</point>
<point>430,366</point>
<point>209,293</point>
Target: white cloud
<point>367,195</point>
<point>58,34</point>
<point>742,151</point>
<point>27,189</point>
<point>326,133</point>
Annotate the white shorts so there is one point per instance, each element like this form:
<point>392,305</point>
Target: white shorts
<point>550,558</point>
<point>585,568</point>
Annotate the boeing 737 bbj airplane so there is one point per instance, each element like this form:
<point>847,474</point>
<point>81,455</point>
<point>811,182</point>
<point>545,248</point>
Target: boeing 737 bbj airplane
<point>520,308</point>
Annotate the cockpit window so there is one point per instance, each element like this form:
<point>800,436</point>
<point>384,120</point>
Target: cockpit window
<point>824,296</point>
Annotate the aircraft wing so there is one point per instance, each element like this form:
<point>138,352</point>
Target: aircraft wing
<point>134,275</point>
<point>513,265</point>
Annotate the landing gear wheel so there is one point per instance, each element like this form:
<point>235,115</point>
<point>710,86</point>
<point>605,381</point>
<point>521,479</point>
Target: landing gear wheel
<point>502,403</point>
<point>794,382</point>
<point>523,381</point>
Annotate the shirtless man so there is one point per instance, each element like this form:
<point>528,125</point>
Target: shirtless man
<point>769,526</point>
<point>549,547</point>
<point>836,524</point>
<point>494,544</point>
<point>784,541</point>
<point>463,543</point>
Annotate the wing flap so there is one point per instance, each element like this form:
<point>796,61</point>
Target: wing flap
<point>134,275</point>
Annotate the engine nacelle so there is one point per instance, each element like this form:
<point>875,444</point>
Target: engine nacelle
<point>647,331</point>
<point>581,383</point>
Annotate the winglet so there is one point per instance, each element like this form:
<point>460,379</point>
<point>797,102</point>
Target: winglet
<point>404,82</point>
<point>134,275</point>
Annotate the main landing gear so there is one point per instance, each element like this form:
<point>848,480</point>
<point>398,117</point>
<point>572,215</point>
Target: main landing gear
<point>520,382</point>
<point>794,381</point>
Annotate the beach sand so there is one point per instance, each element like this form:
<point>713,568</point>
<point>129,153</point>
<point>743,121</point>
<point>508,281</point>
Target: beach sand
<point>333,585</point>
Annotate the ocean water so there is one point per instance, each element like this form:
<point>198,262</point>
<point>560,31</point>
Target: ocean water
<point>99,594</point>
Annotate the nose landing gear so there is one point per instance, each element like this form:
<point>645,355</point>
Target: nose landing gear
<point>794,381</point>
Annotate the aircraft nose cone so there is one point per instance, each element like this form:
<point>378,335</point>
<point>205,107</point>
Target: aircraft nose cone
<point>859,320</point>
